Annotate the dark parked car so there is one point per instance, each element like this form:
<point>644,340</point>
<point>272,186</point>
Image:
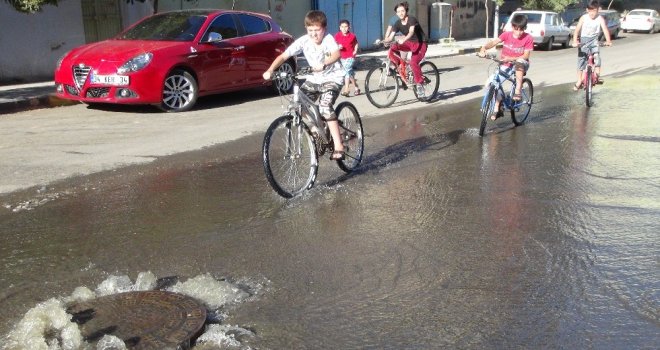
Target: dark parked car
<point>171,58</point>
<point>613,19</point>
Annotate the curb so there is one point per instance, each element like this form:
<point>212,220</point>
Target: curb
<point>49,100</point>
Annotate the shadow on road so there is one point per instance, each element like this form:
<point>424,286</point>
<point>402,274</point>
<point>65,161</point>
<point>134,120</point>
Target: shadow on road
<point>399,151</point>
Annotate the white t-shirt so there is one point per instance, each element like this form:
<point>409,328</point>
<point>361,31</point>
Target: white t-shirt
<point>590,27</point>
<point>315,54</point>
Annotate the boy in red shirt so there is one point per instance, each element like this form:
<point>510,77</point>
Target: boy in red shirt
<point>516,48</point>
<point>348,47</point>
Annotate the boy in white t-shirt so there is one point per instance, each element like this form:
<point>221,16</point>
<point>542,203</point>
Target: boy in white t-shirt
<point>322,54</point>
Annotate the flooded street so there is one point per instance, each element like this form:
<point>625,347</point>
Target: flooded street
<point>539,236</point>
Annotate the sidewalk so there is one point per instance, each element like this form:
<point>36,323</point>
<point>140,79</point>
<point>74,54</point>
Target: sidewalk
<point>18,98</point>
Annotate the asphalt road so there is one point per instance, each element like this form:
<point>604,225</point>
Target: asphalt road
<point>41,147</point>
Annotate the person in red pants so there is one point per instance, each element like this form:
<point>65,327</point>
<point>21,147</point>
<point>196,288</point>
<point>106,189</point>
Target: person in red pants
<point>413,40</point>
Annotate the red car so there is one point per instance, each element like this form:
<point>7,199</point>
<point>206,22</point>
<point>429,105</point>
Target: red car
<point>170,59</point>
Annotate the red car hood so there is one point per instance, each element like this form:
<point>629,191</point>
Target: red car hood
<point>119,50</point>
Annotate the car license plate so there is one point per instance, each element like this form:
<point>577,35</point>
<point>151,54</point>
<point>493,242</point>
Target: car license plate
<point>116,80</point>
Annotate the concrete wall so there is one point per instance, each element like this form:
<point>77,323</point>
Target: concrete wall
<point>469,20</point>
<point>31,44</point>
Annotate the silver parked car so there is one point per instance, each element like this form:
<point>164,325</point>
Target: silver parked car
<point>546,27</point>
<point>645,20</point>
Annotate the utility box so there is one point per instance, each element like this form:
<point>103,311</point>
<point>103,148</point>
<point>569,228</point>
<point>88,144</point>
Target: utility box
<point>440,21</point>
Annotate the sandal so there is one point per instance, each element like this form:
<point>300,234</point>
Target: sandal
<point>357,92</point>
<point>517,97</point>
<point>337,155</point>
<point>344,93</point>
<point>577,86</point>
<point>499,114</point>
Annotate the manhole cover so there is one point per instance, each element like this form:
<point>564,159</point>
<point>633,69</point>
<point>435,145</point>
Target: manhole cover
<point>143,320</point>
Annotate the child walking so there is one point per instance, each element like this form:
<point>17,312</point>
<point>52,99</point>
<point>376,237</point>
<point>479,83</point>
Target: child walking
<point>348,47</point>
<point>322,54</point>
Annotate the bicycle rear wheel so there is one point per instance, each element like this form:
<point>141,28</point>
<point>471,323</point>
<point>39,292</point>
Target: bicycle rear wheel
<point>520,109</point>
<point>588,87</point>
<point>381,87</point>
<point>289,157</point>
<point>350,128</point>
<point>487,109</point>
<point>431,81</point>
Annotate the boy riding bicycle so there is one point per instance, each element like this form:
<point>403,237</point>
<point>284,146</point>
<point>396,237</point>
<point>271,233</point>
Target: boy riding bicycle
<point>413,40</point>
<point>588,30</point>
<point>516,48</point>
<point>322,54</point>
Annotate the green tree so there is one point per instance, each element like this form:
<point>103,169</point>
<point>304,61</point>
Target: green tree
<point>30,6</point>
<point>548,5</point>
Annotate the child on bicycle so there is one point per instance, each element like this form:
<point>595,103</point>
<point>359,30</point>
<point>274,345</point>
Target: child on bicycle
<point>322,55</point>
<point>348,47</point>
<point>413,39</point>
<point>516,49</point>
<point>588,30</point>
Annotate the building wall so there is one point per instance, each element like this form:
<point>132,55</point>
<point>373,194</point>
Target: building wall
<point>469,19</point>
<point>31,44</point>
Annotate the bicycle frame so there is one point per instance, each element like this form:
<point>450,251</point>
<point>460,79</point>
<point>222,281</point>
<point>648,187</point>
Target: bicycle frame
<point>300,106</point>
<point>590,64</point>
<point>497,80</point>
<point>495,96</point>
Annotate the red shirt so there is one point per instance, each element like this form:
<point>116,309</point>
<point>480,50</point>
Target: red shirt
<point>516,47</point>
<point>347,42</point>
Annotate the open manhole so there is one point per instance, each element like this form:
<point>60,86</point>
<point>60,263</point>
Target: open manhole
<point>143,320</point>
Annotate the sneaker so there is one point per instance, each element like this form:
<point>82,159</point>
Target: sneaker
<point>419,88</point>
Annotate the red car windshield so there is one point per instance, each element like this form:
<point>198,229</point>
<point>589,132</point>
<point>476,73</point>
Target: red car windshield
<point>172,26</point>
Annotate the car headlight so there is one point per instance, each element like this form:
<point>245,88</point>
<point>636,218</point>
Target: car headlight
<point>136,63</point>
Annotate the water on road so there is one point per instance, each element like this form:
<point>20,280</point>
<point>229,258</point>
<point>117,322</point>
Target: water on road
<point>540,236</point>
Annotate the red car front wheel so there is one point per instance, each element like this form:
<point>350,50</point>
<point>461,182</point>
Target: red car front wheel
<point>180,92</point>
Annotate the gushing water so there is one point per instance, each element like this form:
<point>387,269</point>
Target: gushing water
<point>48,326</point>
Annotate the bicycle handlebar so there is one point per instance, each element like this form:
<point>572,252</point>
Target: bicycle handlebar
<point>492,58</point>
<point>599,44</point>
<point>380,42</point>
<point>286,75</point>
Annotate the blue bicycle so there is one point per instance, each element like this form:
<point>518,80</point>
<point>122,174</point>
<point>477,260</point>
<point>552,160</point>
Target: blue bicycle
<point>501,87</point>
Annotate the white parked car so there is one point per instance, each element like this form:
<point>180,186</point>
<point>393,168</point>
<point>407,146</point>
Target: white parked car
<point>547,28</point>
<point>641,19</point>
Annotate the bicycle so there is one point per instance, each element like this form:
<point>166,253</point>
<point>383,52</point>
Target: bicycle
<point>589,75</point>
<point>495,89</point>
<point>295,140</point>
<point>383,82</point>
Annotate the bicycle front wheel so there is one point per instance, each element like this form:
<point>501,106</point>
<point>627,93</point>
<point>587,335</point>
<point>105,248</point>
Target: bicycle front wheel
<point>588,87</point>
<point>350,128</point>
<point>381,87</point>
<point>520,109</point>
<point>487,108</point>
<point>289,157</point>
<point>431,81</point>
